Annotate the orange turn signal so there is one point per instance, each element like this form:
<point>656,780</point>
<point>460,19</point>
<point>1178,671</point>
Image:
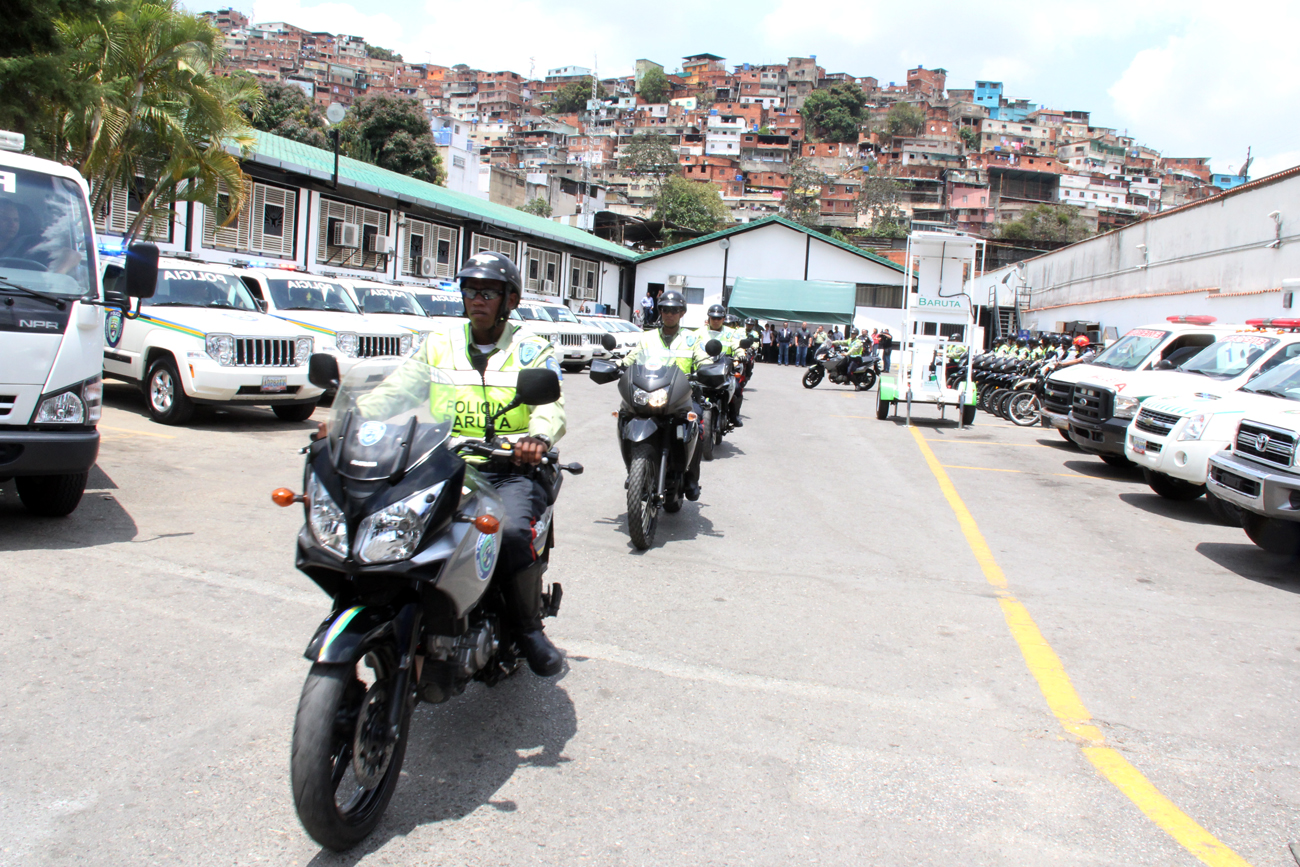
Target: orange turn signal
<point>285,497</point>
<point>690,416</point>
<point>486,524</point>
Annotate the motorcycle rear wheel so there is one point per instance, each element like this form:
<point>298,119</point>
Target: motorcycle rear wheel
<point>1024,409</point>
<point>812,377</point>
<point>321,766</point>
<point>642,478</point>
<point>867,380</point>
<point>708,425</point>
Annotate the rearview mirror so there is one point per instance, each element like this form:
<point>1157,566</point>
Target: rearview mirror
<point>713,347</point>
<point>141,270</point>
<point>603,371</point>
<point>323,370</point>
<point>607,340</point>
<point>746,342</point>
<point>1164,364</point>
<point>537,386</point>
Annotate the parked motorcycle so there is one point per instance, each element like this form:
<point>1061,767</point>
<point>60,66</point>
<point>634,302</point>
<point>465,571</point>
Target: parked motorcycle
<point>403,534</point>
<point>658,432</point>
<point>829,361</point>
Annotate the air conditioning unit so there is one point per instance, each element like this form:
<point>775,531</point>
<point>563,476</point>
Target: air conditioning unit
<point>380,244</point>
<point>347,235</point>
<point>428,267</point>
<point>677,281</point>
<point>548,287</point>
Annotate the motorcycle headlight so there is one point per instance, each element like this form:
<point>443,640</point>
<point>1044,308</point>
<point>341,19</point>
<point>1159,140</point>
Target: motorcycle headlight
<point>302,351</point>
<point>347,343</point>
<point>1126,407</point>
<point>394,533</point>
<point>326,519</point>
<point>656,398</point>
<point>1196,426</point>
<point>92,394</point>
<point>65,408</point>
<point>221,348</point>
<point>404,344</point>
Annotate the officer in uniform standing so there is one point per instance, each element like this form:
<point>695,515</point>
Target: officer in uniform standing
<point>685,349</point>
<point>483,359</point>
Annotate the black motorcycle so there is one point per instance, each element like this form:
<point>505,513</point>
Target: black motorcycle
<point>829,361</point>
<point>404,535</point>
<point>658,432</point>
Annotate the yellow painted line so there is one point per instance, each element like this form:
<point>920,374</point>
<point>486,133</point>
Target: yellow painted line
<point>1026,472</point>
<point>139,433</point>
<point>983,443</point>
<point>1064,701</point>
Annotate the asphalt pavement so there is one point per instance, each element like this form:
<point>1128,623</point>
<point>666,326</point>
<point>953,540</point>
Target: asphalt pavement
<point>812,665</point>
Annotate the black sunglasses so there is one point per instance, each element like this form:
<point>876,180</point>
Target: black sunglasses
<point>485,294</point>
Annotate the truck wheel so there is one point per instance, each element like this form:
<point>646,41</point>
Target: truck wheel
<point>1225,512</point>
<point>163,392</point>
<point>51,496</point>
<point>968,414</point>
<point>1272,534</point>
<point>293,411</point>
<point>1170,488</point>
<point>882,407</point>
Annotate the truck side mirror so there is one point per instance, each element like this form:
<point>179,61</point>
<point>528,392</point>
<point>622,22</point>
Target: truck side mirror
<point>141,270</point>
<point>323,370</point>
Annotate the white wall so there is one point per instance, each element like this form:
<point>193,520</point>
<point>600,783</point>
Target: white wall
<point>772,252</point>
<point>1212,258</point>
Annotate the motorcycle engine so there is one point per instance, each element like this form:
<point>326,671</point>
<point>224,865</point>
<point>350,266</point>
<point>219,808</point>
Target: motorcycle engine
<point>467,653</point>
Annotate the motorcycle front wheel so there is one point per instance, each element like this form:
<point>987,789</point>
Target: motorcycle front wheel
<point>709,424</point>
<point>344,767</point>
<point>642,511</point>
<point>1023,409</point>
<point>812,377</point>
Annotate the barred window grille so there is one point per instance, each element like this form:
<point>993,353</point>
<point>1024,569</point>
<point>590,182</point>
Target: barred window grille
<point>371,222</point>
<point>509,249</point>
<point>121,207</point>
<point>543,266</point>
<point>584,280</point>
<point>267,223</point>
<point>879,295</point>
<point>429,239</point>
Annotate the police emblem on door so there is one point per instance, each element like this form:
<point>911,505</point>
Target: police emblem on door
<point>113,327</point>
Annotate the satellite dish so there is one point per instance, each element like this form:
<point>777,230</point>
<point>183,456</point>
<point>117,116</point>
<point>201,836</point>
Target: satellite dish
<point>335,113</point>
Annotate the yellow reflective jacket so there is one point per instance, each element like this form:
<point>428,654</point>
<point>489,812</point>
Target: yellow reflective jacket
<point>685,349</point>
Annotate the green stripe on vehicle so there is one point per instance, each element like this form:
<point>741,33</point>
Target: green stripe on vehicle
<point>173,326</point>
<point>337,629</point>
<point>309,326</point>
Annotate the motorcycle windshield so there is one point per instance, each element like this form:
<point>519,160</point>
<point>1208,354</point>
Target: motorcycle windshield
<point>389,415</point>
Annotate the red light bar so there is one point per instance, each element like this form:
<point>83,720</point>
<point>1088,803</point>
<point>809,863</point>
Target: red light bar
<point>1273,323</point>
<point>1193,320</point>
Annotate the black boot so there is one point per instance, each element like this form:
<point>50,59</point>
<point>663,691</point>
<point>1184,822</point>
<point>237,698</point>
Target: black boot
<point>523,592</point>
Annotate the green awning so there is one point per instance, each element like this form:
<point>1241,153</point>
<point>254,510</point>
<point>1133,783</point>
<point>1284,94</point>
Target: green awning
<point>814,301</point>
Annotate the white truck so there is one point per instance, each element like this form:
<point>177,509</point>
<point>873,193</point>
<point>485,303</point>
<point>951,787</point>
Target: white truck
<point>398,305</point>
<point>201,339</point>
<point>1259,474</point>
<point>324,307</point>
<point>1195,410</point>
<point>51,329</point>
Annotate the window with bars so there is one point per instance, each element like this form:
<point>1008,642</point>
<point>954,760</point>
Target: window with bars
<point>543,266</point>
<point>370,223</point>
<point>879,295</point>
<point>424,240</point>
<point>583,279</point>
<point>267,224</point>
<point>122,206</point>
<point>509,249</point>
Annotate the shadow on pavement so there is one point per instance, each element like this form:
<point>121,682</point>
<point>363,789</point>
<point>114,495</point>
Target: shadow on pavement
<point>128,398</point>
<point>98,520</point>
<point>683,526</point>
<point>462,752</point>
<point>1188,511</point>
<point>1254,563</point>
<point>1059,444</point>
<point>1097,470</point>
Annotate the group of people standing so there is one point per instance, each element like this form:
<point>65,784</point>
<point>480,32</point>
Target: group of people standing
<point>776,341</point>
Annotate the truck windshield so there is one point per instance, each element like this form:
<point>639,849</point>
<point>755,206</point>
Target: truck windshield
<point>1282,381</point>
<point>1131,349</point>
<point>535,313</point>
<point>376,299</point>
<point>186,287</point>
<point>1230,356</point>
<point>305,294</point>
<point>561,314</point>
<point>442,305</point>
<point>45,237</point>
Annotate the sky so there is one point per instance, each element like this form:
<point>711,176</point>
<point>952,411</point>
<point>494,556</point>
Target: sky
<point>1187,77</point>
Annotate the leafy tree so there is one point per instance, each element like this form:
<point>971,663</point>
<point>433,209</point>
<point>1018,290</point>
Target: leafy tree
<point>970,136</point>
<point>393,133</point>
<point>695,204</point>
<point>905,119</point>
<point>653,155</point>
<point>153,109</point>
<point>538,207</point>
<point>1047,223</point>
<point>878,199</point>
<point>36,62</point>
<point>834,113</point>
<point>764,130</point>
<point>382,53</point>
<point>287,111</point>
<point>571,98</point>
<point>803,198</point>
<point>654,85</point>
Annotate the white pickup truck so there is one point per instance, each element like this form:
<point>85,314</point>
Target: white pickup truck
<point>201,339</point>
<point>1259,473</point>
<point>52,329</point>
<point>398,305</point>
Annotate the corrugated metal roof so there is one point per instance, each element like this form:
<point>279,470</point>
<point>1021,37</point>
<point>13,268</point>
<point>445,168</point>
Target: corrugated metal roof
<point>789,224</point>
<point>277,152</point>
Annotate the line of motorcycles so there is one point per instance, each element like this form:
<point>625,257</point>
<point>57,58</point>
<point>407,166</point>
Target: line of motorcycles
<point>1007,386</point>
